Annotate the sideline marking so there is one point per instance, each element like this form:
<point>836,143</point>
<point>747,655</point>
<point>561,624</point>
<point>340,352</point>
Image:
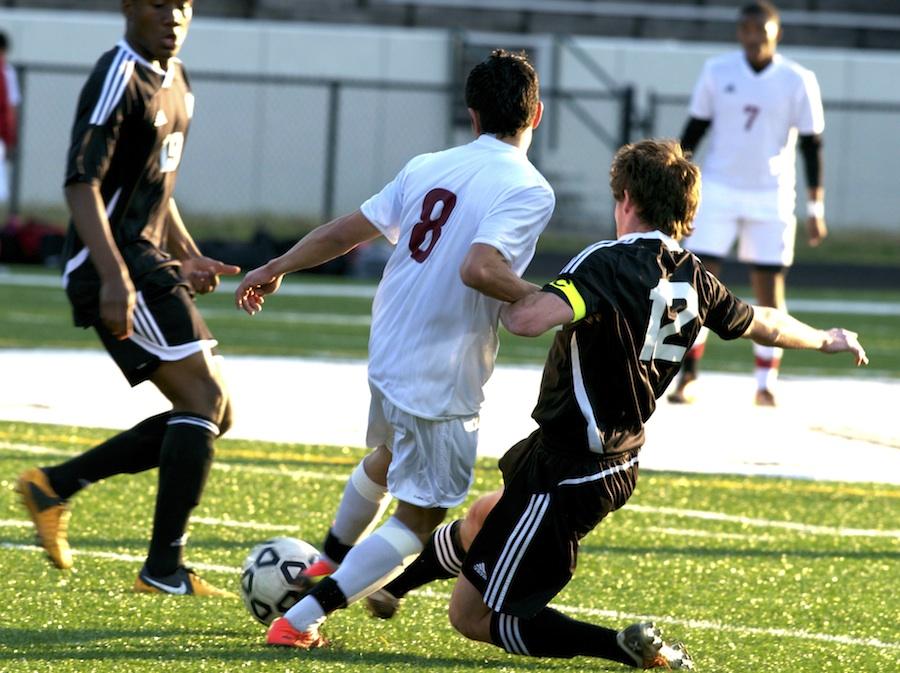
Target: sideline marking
<point>592,612</point>
<point>644,509</point>
<point>766,523</point>
<point>301,288</point>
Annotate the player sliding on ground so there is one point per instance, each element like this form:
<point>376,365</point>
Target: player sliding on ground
<point>630,309</point>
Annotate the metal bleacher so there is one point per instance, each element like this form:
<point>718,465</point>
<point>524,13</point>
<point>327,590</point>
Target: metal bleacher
<point>860,24</point>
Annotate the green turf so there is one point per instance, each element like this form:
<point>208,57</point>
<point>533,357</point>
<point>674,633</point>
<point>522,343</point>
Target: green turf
<point>305,326</point>
<point>745,595</point>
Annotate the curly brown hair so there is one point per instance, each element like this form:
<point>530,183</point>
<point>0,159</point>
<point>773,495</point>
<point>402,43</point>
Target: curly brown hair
<point>503,89</point>
<point>661,181</point>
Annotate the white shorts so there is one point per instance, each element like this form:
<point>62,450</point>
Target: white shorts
<point>432,461</point>
<point>762,223</point>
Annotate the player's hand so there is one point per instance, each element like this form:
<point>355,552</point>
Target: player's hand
<point>117,298</point>
<point>203,272</point>
<point>844,341</point>
<point>816,230</point>
<point>251,293</point>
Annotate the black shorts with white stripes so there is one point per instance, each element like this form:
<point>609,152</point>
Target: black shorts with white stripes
<point>527,549</point>
<point>166,324</point>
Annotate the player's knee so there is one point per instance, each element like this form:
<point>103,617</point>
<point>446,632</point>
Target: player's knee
<point>469,624</point>
<point>475,517</point>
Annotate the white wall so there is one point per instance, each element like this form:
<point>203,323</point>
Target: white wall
<point>258,148</point>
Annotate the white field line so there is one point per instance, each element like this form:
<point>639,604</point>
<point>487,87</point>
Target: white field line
<point>590,612</point>
<point>113,556</point>
<point>691,532</point>
<point>767,523</point>
<point>299,288</point>
<point>645,509</point>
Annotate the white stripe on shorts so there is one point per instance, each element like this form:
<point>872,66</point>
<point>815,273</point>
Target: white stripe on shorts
<point>194,420</point>
<point>145,324</point>
<point>599,475</point>
<point>514,550</point>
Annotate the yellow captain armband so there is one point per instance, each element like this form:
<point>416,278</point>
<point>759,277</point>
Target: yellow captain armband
<point>572,296</point>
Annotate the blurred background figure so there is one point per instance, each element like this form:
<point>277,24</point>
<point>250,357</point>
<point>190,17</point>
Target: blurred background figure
<point>756,102</point>
<point>9,104</point>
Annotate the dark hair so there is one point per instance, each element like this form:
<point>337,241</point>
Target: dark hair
<point>4,41</point>
<point>663,184</point>
<point>762,8</point>
<point>503,89</point>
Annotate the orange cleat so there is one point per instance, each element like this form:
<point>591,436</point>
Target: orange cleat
<point>282,634</point>
<point>50,515</point>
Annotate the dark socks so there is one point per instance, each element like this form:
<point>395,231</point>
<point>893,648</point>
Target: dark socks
<point>441,559</point>
<point>129,452</point>
<point>329,595</point>
<point>334,549</point>
<point>185,459</point>
<point>551,634</point>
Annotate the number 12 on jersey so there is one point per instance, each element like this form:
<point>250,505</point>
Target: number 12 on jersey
<point>662,298</point>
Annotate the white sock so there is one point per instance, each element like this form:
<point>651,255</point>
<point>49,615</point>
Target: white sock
<point>377,560</point>
<point>369,566</point>
<point>768,360</point>
<point>362,505</point>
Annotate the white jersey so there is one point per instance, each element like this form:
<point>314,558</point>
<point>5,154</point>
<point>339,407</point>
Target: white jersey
<point>433,340</point>
<point>755,120</point>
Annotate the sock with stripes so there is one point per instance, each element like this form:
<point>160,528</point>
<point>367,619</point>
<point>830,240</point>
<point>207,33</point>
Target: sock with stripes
<point>185,459</point>
<point>441,559</point>
<point>128,452</point>
<point>550,633</point>
<point>362,505</point>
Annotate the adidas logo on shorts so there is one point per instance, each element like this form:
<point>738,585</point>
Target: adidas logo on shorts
<point>480,569</point>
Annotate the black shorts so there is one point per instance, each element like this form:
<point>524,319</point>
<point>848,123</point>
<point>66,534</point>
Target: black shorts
<point>166,324</point>
<point>527,549</point>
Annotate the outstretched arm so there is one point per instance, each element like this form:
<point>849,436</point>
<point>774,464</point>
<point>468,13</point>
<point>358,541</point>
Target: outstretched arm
<point>321,245</point>
<point>200,271</point>
<point>772,327</point>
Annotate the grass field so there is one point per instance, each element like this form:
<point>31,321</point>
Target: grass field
<point>762,575</point>
<point>755,574</point>
<point>330,317</point>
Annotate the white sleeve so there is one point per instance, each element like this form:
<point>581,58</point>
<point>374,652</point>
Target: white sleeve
<point>701,106</point>
<point>515,221</point>
<point>384,209</point>
<point>809,115</point>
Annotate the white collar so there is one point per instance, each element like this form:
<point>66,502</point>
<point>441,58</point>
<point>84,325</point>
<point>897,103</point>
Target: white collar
<point>668,241</point>
<point>167,75</point>
<point>490,140</point>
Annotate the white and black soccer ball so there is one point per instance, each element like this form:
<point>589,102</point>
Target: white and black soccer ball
<point>268,572</point>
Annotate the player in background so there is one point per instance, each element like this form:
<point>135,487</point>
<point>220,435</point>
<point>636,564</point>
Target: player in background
<point>130,272</point>
<point>630,309</point>
<point>465,222</point>
<point>754,103</point>
<point>10,98</point>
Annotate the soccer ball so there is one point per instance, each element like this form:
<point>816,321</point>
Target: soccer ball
<point>267,575</point>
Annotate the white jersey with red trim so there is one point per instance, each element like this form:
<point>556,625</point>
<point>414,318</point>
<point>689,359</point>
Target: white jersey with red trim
<point>433,340</point>
<point>755,120</point>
